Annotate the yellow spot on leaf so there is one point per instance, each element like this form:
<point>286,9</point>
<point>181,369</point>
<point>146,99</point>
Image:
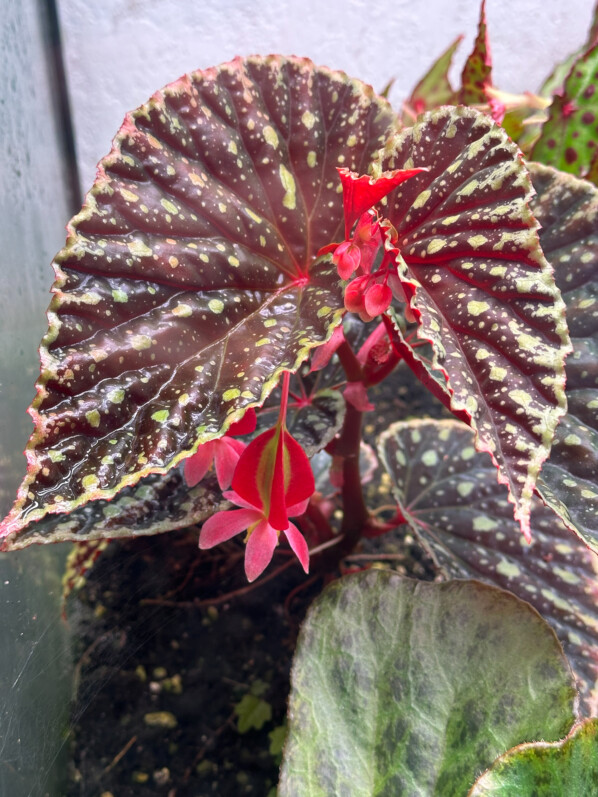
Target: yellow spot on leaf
<point>93,418</point>
<point>289,200</point>
<point>271,136</point>
<point>216,306</point>
<point>231,394</point>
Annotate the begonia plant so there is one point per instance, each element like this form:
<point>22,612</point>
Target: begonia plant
<point>270,238</point>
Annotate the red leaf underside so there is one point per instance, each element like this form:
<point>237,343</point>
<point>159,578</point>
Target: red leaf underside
<point>449,496</point>
<point>189,280</point>
<point>484,294</point>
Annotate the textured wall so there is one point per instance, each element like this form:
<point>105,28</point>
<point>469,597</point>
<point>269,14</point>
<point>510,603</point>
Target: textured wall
<point>119,51</point>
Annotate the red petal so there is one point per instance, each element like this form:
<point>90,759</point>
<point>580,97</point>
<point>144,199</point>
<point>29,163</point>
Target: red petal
<point>298,545</point>
<point>323,354</point>
<point>249,473</point>
<point>346,258</point>
<point>224,525</point>
<point>360,193</point>
<point>199,463</point>
<point>377,299</point>
<point>354,299</point>
<point>260,548</point>
<point>356,394</point>
<point>246,425</point>
<point>300,478</point>
<point>226,457</point>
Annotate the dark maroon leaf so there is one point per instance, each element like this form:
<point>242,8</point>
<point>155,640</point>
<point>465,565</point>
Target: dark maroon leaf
<point>157,503</point>
<point>477,72</point>
<point>484,294</point>
<point>567,209</point>
<point>189,280</point>
<point>449,496</point>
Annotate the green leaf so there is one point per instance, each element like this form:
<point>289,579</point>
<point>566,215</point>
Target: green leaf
<point>568,138</point>
<point>568,768</point>
<point>189,280</point>
<point>252,713</point>
<point>448,494</point>
<point>406,687</point>
<point>567,209</point>
<point>477,71</point>
<point>435,88</point>
<point>482,289</point>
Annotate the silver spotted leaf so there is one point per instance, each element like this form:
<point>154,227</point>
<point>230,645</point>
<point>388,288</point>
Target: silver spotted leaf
<point>483,292</point>
<point>449,495</point>
<point>315,424</point>
<point>546,769</point>
<point>567,208</point>
<point>157,503</point>
<point>402,687</point>
<point>189,280</point>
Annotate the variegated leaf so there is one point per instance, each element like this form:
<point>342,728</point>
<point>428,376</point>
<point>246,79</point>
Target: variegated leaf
<point>435,88</point>
<point>448,494</point>
<point>477,71</point>
<point>567,209</point>
<point>568,138</point>
<point>482,289</point>
<point>189,280</point>
<point>157,503</point>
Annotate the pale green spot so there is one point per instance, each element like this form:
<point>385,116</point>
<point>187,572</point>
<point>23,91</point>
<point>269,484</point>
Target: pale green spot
<point>312,159</point>
<point>572,440</point>
<point>254,216</point>
<point>508,569</point>
<point>139,249</point>
<point>430,458</point>
<point>116,396</point>
<point>498,374</point>
<point>90,482</point>
<point>184,399</point>
<point>436,245</point>
<point>289,200</point>
<point>271,136</point>
<point>119,296</point>
<point>231,394</point>
<point>309,120</point>
<point>421,199</point>
<point>468,453</point>
<point>352,140</point>
<point>216,306</point>
<point>56,456</point>
<point>262,341</point>
<point>234,261</point>
<point>270,322</point>
<point>566,575</point>
<point>324,310</point>
<point>93,418</point>
<point>169,207</point>
<point>465,489</point>
<point>483,523</point>
<point>107,460</point>
<point>477,240</point>
<point>182,310</point>
<point>129,195</point>
<point>477,308</point>
<point>140,342</point>
<point>160,416</point>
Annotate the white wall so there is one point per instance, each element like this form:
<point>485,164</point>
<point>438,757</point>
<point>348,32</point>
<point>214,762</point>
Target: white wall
<point>118,52</point>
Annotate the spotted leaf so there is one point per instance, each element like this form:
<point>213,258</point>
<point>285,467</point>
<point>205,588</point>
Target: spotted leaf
<point>402,687</point>
<point>434,88</point>
<point>545,769</point>
<point>477,71</point>
<point>189,280</point>
<point>482,290</point>
<point>567,209</point>
<point>568,138</point>
<point>157,503</point>
<point>315,424</point>
<point>448,494</point>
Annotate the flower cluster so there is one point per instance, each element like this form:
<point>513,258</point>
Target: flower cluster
<point>371,291</point>
<point>272,481</point>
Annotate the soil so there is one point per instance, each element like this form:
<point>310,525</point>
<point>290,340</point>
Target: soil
<point>171,646</point>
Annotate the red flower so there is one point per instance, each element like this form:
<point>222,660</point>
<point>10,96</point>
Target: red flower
<point>224,453</point>
<point>262,537</point>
